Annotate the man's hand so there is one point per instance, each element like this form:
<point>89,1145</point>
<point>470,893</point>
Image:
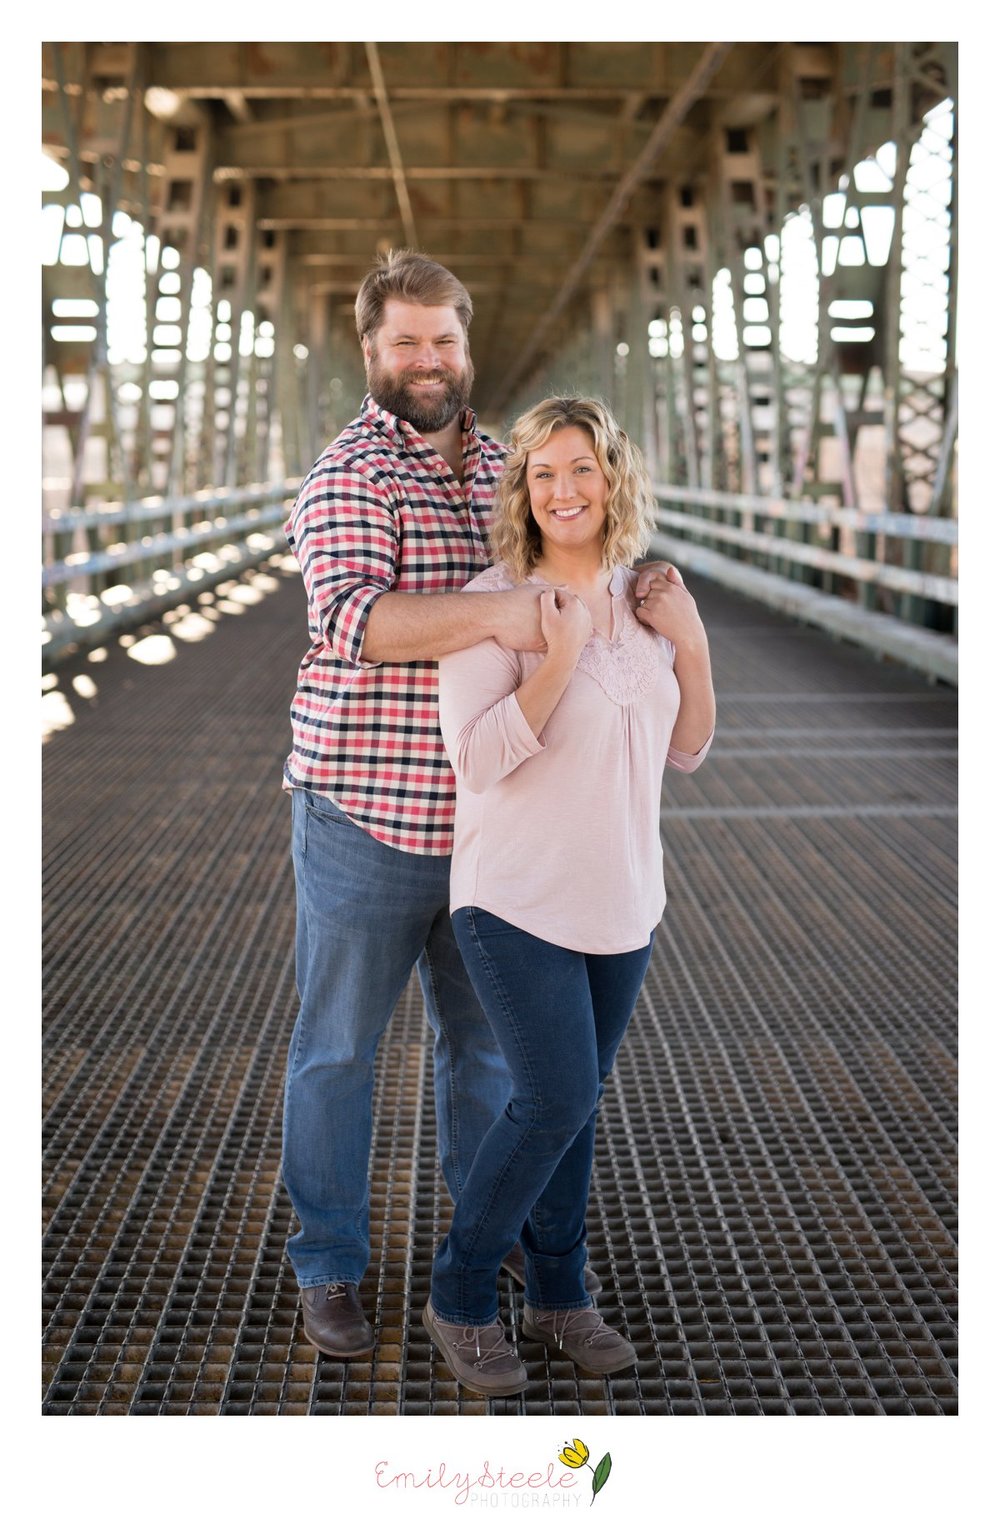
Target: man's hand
<point>517,619</point>
<point>669,609</point>
<point>653,570</point>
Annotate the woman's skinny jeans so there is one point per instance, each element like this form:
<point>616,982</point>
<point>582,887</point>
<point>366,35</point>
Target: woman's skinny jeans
<point>558,1017</point>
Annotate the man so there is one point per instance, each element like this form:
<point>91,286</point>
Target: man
<point>389,524</point>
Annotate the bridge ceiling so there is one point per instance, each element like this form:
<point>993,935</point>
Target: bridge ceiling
<point>748,248</point>
<point>503,160</point>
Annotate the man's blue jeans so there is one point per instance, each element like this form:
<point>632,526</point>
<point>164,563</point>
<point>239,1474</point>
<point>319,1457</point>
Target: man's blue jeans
<point>559,1017</point>
<point>366,914</point>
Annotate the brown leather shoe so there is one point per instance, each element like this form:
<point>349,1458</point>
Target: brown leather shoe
<point>513,1263</point>
<point>334,1320</point>
<point>478,1356</point>
<point>582,1334</point>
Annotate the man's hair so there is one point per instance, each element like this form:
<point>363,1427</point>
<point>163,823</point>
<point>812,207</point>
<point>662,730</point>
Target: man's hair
<point>515,537</point>
<point>403,276</point>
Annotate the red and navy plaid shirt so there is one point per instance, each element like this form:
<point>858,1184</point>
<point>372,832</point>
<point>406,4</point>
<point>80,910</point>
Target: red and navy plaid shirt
<point>379,511</point>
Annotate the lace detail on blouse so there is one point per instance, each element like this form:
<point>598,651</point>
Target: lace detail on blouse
<point>627,668</point>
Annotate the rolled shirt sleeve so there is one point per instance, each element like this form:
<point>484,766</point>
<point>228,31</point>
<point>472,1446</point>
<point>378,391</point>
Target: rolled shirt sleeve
<point>485,732</point>
<point>688,762</point>
<point>345,536</point>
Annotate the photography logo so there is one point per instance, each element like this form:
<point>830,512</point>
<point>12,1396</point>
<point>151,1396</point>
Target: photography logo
<point>493,1485</point>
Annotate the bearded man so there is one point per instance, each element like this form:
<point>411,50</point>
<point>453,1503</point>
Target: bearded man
<point>389,525</point>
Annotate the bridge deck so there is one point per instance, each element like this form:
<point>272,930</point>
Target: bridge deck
<point>773,1209</point>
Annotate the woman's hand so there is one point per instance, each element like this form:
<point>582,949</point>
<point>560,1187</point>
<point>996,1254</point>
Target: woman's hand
<point>649,573</point>
<point>669,609</point>
<point>566,628</point>
<point>566,623</point>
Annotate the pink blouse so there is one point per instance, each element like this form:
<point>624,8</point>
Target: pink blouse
<point>560,835</point>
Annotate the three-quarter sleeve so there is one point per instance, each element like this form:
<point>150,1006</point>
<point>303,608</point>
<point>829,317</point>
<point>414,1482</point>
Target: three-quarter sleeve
<point>485,733</point>
<point>688,762</point>
<point>345,537</point>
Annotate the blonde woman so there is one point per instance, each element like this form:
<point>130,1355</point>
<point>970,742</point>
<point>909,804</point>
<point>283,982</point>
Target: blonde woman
<point>557,872</point>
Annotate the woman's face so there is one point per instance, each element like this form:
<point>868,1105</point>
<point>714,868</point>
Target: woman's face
<point>567,491</point>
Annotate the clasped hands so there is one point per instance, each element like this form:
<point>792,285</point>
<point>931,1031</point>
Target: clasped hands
<point>664,603</point>
<point>566,621</point>
<point>539,617</point>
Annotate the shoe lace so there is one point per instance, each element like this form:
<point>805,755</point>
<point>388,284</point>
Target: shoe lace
<point>473,1338</point>
<point>336,1289</point>
<point>575,1319</point>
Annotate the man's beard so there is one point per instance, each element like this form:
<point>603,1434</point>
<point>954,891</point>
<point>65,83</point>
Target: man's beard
<point>391,393</point>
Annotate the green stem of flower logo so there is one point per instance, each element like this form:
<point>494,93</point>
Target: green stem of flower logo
<point>601,1473</point>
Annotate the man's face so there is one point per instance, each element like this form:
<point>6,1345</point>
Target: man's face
<point>418,366</point>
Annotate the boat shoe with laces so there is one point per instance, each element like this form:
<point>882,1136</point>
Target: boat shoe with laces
<point>582,1334</point>
<point>478,1355</point>
<point>334,1320</point>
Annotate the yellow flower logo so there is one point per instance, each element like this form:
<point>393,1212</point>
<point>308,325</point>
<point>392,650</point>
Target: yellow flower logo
<point>577,1455</point>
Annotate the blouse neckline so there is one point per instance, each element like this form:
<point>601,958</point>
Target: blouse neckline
<point>616,585</point>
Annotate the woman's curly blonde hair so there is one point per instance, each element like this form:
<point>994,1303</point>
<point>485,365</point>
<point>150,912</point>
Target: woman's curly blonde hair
<point>515,537</point>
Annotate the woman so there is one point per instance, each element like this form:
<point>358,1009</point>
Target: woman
<point>557,873</point>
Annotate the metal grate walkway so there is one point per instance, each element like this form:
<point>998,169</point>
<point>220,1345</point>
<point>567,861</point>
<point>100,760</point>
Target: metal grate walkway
<point>773,1210</point>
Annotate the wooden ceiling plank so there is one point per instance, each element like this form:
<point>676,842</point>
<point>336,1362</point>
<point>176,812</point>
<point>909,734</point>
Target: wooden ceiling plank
<point>392,144</point>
